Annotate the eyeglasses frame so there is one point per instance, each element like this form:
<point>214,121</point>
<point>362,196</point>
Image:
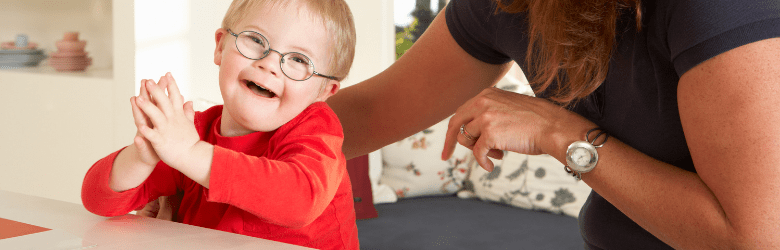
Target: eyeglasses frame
<point>281,58</point>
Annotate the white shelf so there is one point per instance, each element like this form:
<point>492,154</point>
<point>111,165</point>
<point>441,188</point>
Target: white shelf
<point>47,71</point>
<point>46,21</point>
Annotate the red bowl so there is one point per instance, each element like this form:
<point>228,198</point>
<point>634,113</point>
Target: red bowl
<point>76,46</point>
<point>71,59</point>
<point>71,36</point>
<point>67,54</point>
<point>70,67</point>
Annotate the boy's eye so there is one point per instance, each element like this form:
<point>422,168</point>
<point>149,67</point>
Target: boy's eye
<point>257,40</point>
<point>299,59</point>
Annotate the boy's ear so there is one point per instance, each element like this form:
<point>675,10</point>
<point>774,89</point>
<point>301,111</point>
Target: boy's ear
<point>219,38</point>
<point>330,89</point>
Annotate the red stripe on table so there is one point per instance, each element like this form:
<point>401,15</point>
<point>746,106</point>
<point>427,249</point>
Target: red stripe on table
<point>9,229</point>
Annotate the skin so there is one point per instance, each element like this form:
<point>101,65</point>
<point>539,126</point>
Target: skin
<point>728,109</point>
<point>165,123</point>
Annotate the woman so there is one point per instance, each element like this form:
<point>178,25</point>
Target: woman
<point>686,91</point>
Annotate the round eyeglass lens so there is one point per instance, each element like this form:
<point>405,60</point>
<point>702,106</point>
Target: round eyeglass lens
<point>252,45</point>
<point>297,66</point>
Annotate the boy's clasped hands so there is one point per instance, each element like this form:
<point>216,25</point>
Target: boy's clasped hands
<point>165,124</point>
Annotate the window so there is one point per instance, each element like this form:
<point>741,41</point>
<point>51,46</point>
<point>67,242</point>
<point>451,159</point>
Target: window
<point>412,17</point>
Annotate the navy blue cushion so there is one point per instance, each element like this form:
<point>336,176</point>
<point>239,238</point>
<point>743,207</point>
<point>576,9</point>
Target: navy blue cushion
<point>453,223</point>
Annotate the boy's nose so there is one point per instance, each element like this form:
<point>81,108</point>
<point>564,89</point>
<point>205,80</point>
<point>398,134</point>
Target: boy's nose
<point>271,63</point>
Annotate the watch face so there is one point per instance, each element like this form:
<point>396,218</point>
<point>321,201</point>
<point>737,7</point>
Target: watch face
<point>581,156</point>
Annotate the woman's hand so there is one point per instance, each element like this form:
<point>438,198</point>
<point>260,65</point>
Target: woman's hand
<point>500,120</point>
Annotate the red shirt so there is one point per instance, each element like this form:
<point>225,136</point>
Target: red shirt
<point>289,185</point>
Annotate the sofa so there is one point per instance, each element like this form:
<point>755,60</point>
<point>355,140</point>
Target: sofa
<point>414,200</point>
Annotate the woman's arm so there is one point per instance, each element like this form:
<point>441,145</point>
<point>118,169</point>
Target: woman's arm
<point>423,87</point>
<point>728,108</point>
<point>729,112</point>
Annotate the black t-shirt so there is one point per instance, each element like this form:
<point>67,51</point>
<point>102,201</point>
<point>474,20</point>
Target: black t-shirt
<point>637,103</point>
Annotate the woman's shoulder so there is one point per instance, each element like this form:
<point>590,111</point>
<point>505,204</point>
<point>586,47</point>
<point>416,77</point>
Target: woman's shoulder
<point>486,32</point>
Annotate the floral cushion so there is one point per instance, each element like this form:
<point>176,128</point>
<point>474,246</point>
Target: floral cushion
<point>382,193</point>
<point>413,166</point>
<point>536,182</point>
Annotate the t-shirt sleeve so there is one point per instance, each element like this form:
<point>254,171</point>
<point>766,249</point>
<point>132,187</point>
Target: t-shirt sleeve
<point>475,27</point>
<point>700,30</point>
<point>100,199</point>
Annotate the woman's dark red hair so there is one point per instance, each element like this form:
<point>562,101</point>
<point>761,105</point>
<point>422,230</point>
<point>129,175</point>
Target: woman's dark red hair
<point>571,42</point>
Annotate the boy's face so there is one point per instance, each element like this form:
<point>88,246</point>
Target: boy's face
<point>248,108</point>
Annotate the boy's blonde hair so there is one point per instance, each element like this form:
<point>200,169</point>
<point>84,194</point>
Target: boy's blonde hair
<point>335,14</point>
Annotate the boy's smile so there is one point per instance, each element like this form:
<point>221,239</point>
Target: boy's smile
<point>258,95</point>
<point>258,89</point>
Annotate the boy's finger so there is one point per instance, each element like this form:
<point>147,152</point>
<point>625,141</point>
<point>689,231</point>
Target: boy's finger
<point>163,83</point>
<point>173,91</point>
<point>149,134</point>
<point>155,115</point>
<point>143,116</point>
<point>143,91</point>
<point>140,143</point>
<point>189,111</point>
<point>159,97</point>
<point>138,116</point>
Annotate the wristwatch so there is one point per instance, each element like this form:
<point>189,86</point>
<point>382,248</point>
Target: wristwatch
<point>581,156</point>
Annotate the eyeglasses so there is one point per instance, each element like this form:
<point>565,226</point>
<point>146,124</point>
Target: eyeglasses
<point>294,65</point>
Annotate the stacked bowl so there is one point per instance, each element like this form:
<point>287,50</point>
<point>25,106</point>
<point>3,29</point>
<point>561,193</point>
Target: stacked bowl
<point>20,53</point>
<point>70,55</point>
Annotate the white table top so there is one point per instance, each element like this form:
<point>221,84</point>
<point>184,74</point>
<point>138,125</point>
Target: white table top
<point>121,232</point>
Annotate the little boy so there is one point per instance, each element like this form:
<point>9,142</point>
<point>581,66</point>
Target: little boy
<point>267,163</point>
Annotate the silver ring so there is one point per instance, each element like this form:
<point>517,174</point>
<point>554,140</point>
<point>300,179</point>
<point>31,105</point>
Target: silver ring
<point>466,133</point>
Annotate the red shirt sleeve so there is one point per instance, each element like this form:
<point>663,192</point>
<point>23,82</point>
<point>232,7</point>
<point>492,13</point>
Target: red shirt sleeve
<point>295,181</point>
<point>100,199</point>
